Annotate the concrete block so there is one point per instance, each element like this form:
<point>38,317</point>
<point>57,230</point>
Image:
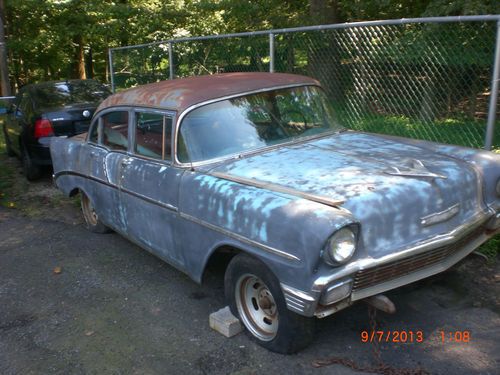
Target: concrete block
<point>224,322</point>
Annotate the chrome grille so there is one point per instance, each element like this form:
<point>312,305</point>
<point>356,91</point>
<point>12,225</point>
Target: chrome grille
<point>392,270</point>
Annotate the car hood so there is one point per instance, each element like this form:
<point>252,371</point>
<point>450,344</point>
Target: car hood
<point>392,189</point>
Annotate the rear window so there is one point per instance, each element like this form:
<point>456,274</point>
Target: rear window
<point>66,93</point>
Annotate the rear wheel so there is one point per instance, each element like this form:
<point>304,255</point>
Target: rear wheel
<point>91,217</point>
<point>31,171</point>
<point>255,297</point>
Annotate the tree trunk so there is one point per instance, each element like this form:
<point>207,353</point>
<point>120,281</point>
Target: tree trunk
<point>90,64</point>
<point>80,58</point>
<point>4,68</point>
<point>324,62</point>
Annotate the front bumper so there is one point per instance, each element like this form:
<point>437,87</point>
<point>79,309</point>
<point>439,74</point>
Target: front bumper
<point>368,276</point>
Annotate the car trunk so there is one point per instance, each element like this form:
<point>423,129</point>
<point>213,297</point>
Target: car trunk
<point>71,120</point>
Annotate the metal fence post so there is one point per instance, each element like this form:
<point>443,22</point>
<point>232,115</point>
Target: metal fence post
<point>271,52</point>
<point>171,60</point>
<point>492,111</point>
<point>111,73</point>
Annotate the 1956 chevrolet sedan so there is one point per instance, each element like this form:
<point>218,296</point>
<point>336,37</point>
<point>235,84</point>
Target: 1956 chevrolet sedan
<point>312,217</point>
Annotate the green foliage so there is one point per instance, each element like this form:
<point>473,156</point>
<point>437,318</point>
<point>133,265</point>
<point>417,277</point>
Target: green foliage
<point>43,36</point>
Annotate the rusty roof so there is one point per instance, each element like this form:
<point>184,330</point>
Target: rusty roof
<point>179,94</point>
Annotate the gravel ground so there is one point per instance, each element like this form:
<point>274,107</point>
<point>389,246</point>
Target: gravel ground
<point>74,302</point>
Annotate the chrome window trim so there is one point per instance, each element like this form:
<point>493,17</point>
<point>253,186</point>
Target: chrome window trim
<point>164,113</point>
<point>211,101</point>
<point>98,117</point>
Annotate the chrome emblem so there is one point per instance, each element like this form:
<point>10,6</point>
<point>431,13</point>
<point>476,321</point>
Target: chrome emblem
<point>415,168</point>
<point>86,113</point>
<point>439,217</point>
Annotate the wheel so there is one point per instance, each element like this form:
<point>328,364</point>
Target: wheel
<point>255,297</point>
<point>91,218</point>
<point>31,171</point>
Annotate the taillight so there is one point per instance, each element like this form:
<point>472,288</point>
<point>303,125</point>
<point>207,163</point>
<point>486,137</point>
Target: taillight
<point>43,128</point>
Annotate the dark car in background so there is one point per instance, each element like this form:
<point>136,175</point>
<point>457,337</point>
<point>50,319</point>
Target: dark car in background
<point>44,110</point>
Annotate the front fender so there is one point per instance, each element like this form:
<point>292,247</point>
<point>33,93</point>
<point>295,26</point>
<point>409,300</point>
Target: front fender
<point>284,229</point>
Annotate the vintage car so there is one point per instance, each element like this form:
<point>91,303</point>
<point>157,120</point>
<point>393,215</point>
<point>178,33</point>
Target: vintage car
<point>253,167</point>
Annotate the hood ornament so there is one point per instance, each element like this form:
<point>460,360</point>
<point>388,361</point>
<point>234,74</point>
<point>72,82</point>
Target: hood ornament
<point>415,169</point>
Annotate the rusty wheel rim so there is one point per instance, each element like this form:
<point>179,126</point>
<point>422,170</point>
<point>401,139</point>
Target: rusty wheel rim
<point>88,211</point>
<point>257,307</point>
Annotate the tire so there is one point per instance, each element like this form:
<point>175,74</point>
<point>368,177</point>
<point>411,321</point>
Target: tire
<point>255,297</point>
<point>91,219</point>
<point>30,170</point>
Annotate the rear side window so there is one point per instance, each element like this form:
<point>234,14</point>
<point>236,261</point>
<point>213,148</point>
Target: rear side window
<point>153,135</point>
<point>115,130</point>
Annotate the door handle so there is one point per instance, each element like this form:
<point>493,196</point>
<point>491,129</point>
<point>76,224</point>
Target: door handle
<point>126,162</point>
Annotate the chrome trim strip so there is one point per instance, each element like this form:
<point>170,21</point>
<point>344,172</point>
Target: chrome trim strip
<point>299,301</point>
<point>137,195</point>
<point>440,240</point>
<point>194,106</point>
<point>439,217</point>
<point>277,188</point>
<point>239,237</point>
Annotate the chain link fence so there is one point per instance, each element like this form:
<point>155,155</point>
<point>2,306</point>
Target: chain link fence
<point>423,78</point>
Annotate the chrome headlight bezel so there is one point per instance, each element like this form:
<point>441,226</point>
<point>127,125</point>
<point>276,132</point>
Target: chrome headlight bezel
<point>341,246</point>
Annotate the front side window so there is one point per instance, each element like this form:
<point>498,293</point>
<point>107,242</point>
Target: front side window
<point>254,121</point>
<point>115,130</point>
<point>153,135</point>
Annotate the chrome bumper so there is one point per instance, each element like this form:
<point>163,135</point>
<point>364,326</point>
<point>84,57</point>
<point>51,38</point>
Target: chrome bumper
<point>370,276</point>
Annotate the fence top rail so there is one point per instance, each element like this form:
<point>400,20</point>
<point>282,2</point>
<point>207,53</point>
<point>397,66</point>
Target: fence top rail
<point>347,25</point>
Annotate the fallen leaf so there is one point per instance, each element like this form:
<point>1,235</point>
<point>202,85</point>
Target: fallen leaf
<point>11,205</point>
<point>57,270</point>
<point>89,333</point>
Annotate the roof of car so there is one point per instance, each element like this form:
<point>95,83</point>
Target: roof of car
<point>179,94</point>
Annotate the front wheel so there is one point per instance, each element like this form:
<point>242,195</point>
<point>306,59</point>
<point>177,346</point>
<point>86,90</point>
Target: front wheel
<point>91,218</point>
<point>255,297</point>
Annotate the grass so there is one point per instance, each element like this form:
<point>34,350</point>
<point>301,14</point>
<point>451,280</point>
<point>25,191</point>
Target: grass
<point>11,192</point>
<point>7,177</point>
<point>458,131</point>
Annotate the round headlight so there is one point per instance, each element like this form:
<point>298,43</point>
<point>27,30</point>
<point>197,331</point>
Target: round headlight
<point>340,247</point>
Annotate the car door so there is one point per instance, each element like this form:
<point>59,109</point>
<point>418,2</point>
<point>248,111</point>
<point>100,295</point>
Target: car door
<point>149,185</point>
<point>102,158</point>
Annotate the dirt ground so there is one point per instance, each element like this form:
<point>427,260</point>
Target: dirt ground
<point>74,302</point>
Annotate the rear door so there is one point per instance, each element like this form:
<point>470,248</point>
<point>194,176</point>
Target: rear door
<point>149,185</point>
<point>106,152</point>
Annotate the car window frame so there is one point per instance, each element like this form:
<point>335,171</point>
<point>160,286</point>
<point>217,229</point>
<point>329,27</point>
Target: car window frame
<point>98,121</point>
<point>164,113</point>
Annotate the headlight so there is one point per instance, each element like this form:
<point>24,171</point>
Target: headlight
<point>340,247</point>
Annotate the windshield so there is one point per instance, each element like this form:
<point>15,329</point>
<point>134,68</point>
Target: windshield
<point>242,124</point>
<point>61,94</point>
